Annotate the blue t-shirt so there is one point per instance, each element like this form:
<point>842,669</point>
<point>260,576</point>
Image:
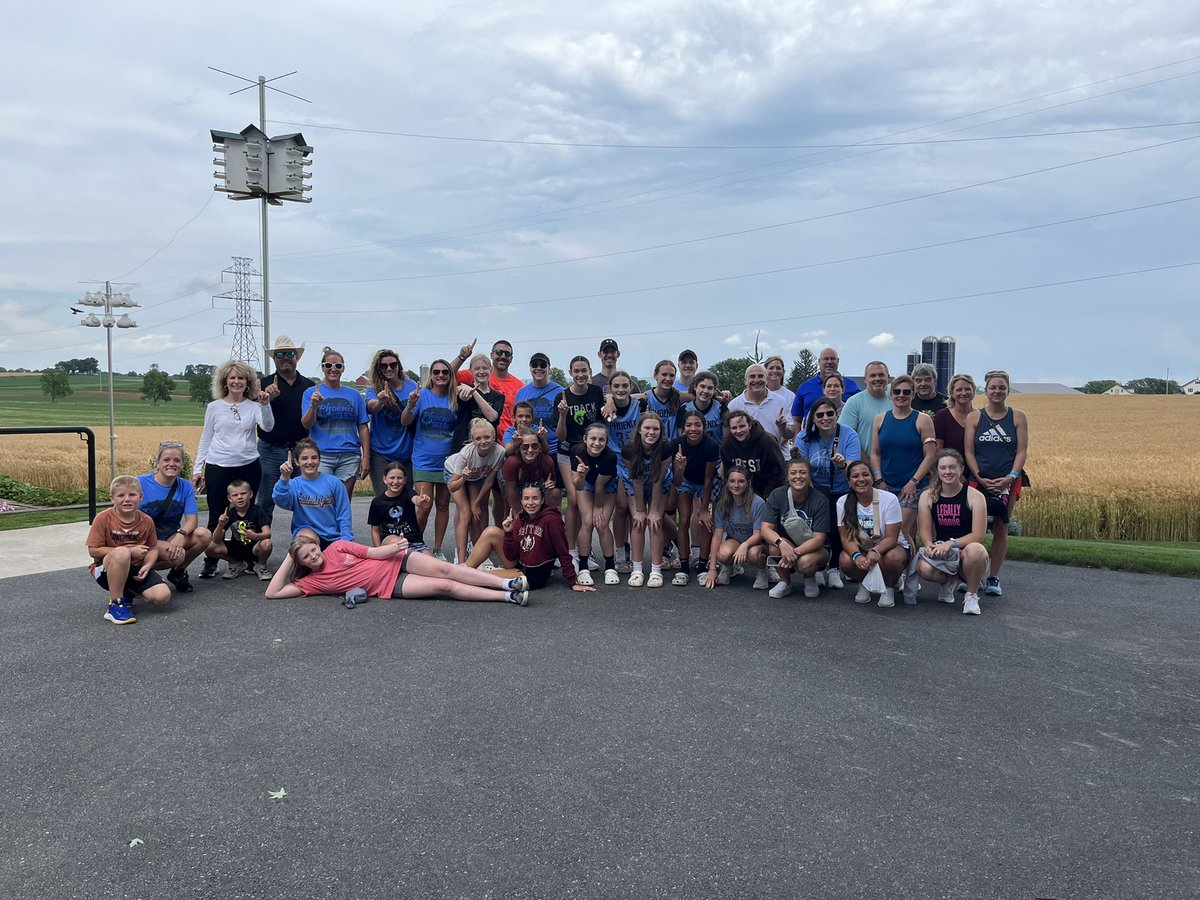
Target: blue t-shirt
<point>811,391</point>
<point>818,452</point>
<point>736,525</point>
<point>712,418</point>
<point>434,431</point>
<point>621,428</point>
<point>338,417</point>
<point>389,438</point>
<point>320,503</point>
<point>544,401</point>
<point>653,404</point>
<point>154,504</point>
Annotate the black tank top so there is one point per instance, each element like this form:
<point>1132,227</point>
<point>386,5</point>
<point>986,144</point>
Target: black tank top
<point>995,444</point>
<point>952,517</point>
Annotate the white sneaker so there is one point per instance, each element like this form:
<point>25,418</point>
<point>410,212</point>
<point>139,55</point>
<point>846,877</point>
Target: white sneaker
<point>833,578</point>
<point>739,570</point>
<point>681,579</point>
<point>760,580</point>
<point>887,598</point>
<point>722,574</point>
<point>782,589</point>
<point>946,593</point>
<point>810,588</point>
<point>863,595</point>
<point>773,573</point>
<point>912,586</point>
<point>819,578</point>
<point>611,576</point>
<point>971,604</point>
<point>637,579</point>
<point>655,580</point>
<point>584,578</point>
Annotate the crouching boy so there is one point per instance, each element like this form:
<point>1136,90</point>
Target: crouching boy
<point>242,535</point>
<point>124,547</point>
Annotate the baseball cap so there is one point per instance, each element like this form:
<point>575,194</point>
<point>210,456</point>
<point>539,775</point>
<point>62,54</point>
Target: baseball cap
<point>608,344</point>
<point>539,358</point>
<point>687,354</point>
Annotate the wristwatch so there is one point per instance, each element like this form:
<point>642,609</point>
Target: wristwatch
<point>778,541</point>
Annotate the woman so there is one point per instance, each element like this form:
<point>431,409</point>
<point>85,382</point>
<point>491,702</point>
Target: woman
<point>737,531</point>
<point>476,400</point>
<point>336,418</point>
<point>228,450</point>
<point>828,446</point>
<point>795,527</point>
<point>949,423</point>
<point>171,502</point>
<point>902,449</point>
<point>389,571</point>
<point>953,521</point>
<point>833,387</point>
<point>386,398</point>
<point>434,410</point>
<point>748,446</point>
<point>695,458</point>
<point>578,407</point>
<point>645,470</point>
<point>595,478</point>
<point>529,545</point>
<point>997,441</point>
<point>776,371</point>
<point>871,536</point>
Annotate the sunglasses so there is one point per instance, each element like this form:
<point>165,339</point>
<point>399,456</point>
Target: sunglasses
<point>902,392</point>
<point>335,366</point>
<point>394,365</point>
<point>171,445</point>
<point>440,372</point>
<point>505,354</point>
<point>825,415</point>
<point>284,354</point>
<point>538,366</point>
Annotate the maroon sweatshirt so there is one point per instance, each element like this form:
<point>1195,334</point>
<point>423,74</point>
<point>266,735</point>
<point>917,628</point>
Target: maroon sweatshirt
<point>538,540</point>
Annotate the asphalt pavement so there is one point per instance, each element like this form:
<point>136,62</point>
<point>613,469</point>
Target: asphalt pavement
<point>631,743</point>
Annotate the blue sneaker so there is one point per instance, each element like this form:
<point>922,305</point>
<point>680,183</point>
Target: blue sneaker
<point>992,587</point>
<point>120,613</point>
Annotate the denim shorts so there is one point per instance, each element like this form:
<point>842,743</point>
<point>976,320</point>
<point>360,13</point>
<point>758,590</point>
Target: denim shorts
<point>341,465</point>
<point>610,487</point>
<point>668,482</point>
<point>690,488</point>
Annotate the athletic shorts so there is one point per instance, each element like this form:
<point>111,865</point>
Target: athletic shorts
<point>948,566</point>
<point>133,587</point>
<point>538,576</point>
<point>668,483</point>
<point>241,552</point>
<point>999,508</point>
<point>429,476</point>
<point>915,503</point>
<point>610,487</point>
<point>690,488</point>
<point>341,465</point>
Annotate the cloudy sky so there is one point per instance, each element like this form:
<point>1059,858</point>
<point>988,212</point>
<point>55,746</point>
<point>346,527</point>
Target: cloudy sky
<point>672,174</point>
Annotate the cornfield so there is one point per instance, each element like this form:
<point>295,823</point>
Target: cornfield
<point>1102,468</point>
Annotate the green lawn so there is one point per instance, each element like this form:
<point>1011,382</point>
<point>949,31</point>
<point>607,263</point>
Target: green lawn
<point>22,403</point>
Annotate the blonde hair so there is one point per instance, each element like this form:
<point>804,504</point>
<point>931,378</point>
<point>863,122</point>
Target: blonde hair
<point>299,543</point>
<point>997,373</point>
<point>124,481</point>
<point>479,423</point>
<point>221,375</point>
<point>961,376</point>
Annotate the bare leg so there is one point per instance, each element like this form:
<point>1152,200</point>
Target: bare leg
<point>425,489</point>
<point>999,546</point>
<point>441,516</point>
<point>462,522</point>
<point>489,542</point>
<point>423,586</point>
<point>420,564</point>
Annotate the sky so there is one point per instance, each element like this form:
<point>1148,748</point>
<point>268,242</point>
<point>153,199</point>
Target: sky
<point>670,174</point>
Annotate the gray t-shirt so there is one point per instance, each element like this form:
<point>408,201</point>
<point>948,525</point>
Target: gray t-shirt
<point>814,507</point>
<point>736,525</point>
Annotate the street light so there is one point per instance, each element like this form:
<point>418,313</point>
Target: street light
<point>109,301</point>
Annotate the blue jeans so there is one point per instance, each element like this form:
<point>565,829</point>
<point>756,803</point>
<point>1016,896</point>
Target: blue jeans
<point>271,457</point>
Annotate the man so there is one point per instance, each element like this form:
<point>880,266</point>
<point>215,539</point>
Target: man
<point>768,410</point>
<point>609,354</point>
<point>502,381</point>
<point>859,411</point>
<point>811,391</point>
<point>286,389</point>
<point>688,364</point>
<point>542,394</point>
<point>927,399</point>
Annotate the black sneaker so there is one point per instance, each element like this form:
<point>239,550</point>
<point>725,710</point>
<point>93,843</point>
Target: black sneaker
<point>209,570</point>
<point>179,578</point>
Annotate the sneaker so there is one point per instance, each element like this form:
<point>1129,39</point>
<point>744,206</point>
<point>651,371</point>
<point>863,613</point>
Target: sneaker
<point>612,576</point>
<point>739,570</point>
<point>723,573</point>
<point>637,579</point>
<point>263,573</point>
<point>520,583</point>
<point>912,586</point>
<point>487,566</point>
<point>760,580</point>
<point>962,586</point>
<point>810,588</point>
<point>354,597</point>
<point>584,578</point>
<point>439,555</point>
<point>971,604</point>
<point>521,598</point>
<point>782,589</point>
<point>179,578</point>
<point>992,587</point>
<point>946,593</point>
<point>863,595</point>
<point>887,598</point>
<point>624,567</point>
<point>833,578</point>
<point>819,578</point>
<point>234,568</point>
<point>210,568</point>
<point>773,573</point>
<point>655,580</point>
<point>681,579</point>
<point>120,613</point>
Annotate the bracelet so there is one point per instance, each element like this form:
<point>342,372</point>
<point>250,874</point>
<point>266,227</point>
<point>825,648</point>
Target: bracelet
<point>954,543</point>
<point>1014,475</point>
<point>855,557</point>
<point>878,474</point>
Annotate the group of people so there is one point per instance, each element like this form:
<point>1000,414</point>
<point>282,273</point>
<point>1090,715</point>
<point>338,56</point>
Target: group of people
<point>699,479</point>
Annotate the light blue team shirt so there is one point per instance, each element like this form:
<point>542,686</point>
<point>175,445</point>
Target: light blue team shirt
<point>621,428</point>
<point>389,438</point>
<point>338,417</point>
<point>154,504</point>
<point>544,401</point>
<point>320,504</point>
<point>434,431</point>
<point>818,453</point>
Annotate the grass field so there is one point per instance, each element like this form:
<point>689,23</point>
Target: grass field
<point>22,404</point>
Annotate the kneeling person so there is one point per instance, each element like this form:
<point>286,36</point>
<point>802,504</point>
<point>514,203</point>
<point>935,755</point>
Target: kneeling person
<point>952,520</point>
<point>123,546</point>
<point>795,528</point>
<point>242,536</point>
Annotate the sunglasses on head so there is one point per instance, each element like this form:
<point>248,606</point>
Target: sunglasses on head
<point>284,354</point>
<point>171,445</point>
<point>336,366</point>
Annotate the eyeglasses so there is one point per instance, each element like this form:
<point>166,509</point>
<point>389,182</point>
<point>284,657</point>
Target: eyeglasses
<point>830,414</point>
<point>506,354</point>
<point>902,392</point>
<point>284,354</point>
<point>393,365</point>
<point>337,367</point>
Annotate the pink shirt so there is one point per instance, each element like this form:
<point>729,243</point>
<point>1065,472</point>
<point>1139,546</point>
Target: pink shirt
<point>347,566</point>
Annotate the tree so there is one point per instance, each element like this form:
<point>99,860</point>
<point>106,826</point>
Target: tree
<point>731,373</point>
<point>804,368</point>
<point>1154,386</point>
<point>89,365</point>
<point>56,384</point>
<point>157,385</point>
<point>558,376</point>
<point>190,371</point>
<point>1098,386</point>
<point>200,388</point>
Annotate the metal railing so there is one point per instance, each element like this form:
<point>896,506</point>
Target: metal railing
<point>85,434</point>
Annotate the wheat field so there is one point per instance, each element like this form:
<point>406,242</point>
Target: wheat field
<point>1106,468</point>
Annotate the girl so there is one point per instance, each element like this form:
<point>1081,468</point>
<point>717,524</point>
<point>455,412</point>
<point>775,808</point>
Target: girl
<point>828,446</point>
<point>622,414</point>
<point>530,465</point>
<point>952,520</point>
<point>578,407</point>
<point>795,528</point>
<point>704,401</point>
<point>336,418</point>
<point>748,446</point>
<point>695,459</point>
<point>529,545</point>
<point>434,410</point>
<point>386,398</point>
<point>470,476</point>
<point>317,509</point>
<point>476,400</point>
<point>595,479</point>
<point>663,399</point>
<point>871,536</point>
<point>523,418</point>
<point>389,571</point>
<point>737,539</point>
<point>997,441</point>
<point>646,473</point>
<point>393,514</point>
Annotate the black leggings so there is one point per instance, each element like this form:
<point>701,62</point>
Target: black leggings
<point>216,486</point>
<point>835,531</point>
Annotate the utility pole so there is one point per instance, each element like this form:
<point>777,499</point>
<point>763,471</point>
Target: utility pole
<point>243,319</point>
<point>109,301</point>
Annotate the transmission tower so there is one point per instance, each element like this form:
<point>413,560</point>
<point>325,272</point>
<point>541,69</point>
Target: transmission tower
<point>244,346</point>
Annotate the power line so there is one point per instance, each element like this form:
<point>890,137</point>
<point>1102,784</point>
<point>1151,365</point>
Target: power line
<point>171,241</point>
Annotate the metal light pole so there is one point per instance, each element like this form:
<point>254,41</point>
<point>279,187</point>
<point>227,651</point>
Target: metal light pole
<point>108,301</point>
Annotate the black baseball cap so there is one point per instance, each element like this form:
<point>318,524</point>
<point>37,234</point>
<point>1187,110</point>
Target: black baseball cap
<point>608,344</point>
<point>688,354</point>
<point>539,358</point>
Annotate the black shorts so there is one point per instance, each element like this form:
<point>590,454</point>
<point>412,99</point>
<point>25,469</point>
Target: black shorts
<point>133,587</point>
<point>242,552</point>
<point>999,508</point>
<point>538,576</point>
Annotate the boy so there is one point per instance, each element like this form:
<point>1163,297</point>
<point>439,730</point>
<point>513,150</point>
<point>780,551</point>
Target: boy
<point>123,546</point>
<point>242,535</point>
